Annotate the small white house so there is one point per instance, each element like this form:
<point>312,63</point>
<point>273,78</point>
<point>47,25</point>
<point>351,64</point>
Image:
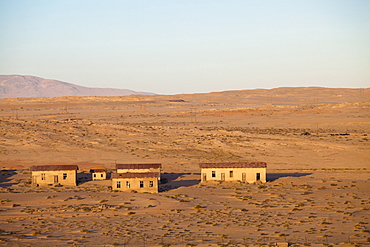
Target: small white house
<point>98,173</point>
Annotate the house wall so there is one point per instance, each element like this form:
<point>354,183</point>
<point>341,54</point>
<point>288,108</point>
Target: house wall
<point>223,174</point>
<point>43,178</point>
<point>135,184</point>
<point>139,170</point>
<point>99,175</point>
<point>158,170</point>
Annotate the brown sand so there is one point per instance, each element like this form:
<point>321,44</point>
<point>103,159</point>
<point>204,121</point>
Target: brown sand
<point>317,194</point>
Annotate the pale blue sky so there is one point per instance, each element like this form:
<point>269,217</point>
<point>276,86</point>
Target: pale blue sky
<point>188,46</point>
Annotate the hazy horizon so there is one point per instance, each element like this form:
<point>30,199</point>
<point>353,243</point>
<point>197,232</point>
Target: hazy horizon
<point>175,47</point>
<point>155,93</point>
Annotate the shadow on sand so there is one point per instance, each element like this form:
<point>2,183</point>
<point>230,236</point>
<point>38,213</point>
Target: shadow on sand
<point>83,177</point>
<point>6,177</point>
<point>273,176</point>
<point>170,181</point>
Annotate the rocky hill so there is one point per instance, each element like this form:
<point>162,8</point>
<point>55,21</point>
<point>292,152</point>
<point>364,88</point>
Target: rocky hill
<point>13,86</point>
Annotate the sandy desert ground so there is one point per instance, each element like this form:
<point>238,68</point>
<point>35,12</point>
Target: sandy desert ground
<point>314,140</point>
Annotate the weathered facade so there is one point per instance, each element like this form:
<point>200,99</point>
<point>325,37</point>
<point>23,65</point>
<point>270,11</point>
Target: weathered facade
<point>234,171</point>
<point>142,168</point>
<point>54,175</point>
<point>98,173</point>
<point>138,181</point>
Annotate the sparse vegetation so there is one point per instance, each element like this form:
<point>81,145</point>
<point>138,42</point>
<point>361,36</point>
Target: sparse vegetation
<point>313,194</point>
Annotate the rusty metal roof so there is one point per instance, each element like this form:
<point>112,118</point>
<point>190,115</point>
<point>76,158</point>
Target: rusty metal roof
<point>138,166</point>
<point>234,165</point>
<point>136,175</point>
<point>54,168</point>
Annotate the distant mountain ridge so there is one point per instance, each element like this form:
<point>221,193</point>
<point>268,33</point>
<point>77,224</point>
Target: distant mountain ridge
<point>14,86</point>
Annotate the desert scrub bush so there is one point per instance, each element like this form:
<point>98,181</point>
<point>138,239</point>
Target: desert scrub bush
<point>86,209</point>
<point>3,240</point>
<point>4,201</point>
<point>35,232</point>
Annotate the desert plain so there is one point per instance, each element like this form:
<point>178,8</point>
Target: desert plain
<point>315,142</point>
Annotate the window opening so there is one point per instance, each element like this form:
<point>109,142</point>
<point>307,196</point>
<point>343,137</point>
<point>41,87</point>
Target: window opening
<point>244,177</point>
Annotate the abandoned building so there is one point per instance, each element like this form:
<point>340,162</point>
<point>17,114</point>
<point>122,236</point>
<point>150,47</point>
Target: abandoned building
<point>136,181</point>
<point>234,171</point>
<point>141,168</point>
<point>137,177</point>
<point>98,173</point>
<point>54,175</point>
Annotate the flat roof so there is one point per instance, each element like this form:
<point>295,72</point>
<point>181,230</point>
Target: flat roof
<point>136,175</point>
<point>234,165</point>
<point>54,168</point>
<point>138,166</point>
